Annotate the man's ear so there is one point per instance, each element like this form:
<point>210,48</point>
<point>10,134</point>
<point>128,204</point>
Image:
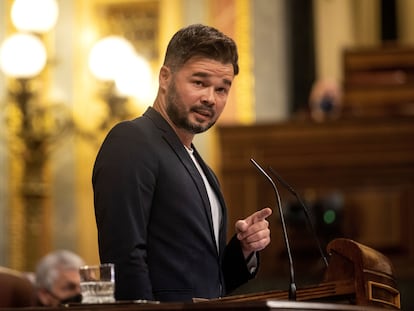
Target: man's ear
<point>164,77</point>
<point>44,297</point>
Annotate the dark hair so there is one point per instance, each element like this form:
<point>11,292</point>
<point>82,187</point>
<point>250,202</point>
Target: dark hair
<point>200,40</point>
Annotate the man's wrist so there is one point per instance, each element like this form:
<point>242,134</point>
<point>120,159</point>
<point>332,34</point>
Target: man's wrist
<point>250,256</point>
<point>251,262</point>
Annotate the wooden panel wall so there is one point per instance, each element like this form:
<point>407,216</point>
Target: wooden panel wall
<point>379,81</point>
<point>367,163</point>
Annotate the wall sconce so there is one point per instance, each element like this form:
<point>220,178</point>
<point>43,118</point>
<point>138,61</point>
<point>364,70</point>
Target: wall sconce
<point>123,73</point>
<point>23,57</point>
<point>33,126</point>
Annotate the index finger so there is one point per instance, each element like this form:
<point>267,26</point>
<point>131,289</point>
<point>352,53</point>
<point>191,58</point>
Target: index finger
<point>261,215</point>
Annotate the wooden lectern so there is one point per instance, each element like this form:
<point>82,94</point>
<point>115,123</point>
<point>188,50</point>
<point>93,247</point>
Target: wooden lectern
<point>370,272</point>
<point>356,275</point>
<point>357,278</point>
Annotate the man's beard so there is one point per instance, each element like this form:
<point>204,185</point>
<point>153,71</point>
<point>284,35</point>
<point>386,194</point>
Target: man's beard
<point>179,116</point>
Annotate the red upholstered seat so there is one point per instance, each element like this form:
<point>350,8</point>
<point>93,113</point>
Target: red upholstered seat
<point>15,289</point>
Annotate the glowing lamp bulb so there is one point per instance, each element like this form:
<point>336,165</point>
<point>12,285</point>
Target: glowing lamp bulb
<point>22,55</point>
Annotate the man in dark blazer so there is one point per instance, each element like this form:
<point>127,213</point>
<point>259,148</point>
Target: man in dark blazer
<point>160,214</point>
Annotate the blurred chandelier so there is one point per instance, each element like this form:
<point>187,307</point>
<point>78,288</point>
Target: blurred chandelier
<point>32,125</point>
<point>123,73</point>
<point>34,122</point>
<point>23,57</point>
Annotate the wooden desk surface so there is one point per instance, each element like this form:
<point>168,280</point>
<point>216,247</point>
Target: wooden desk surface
<point>216,305</point>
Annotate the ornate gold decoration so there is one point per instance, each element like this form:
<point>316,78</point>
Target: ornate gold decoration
<point>136,21</point>
<point>33,130</point>
<point>245,83</point>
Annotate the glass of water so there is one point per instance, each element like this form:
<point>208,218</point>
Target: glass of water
<point>97,283</point>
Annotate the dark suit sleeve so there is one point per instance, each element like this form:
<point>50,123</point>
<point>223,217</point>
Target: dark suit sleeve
<point>123,182</point>
<point>234,266</point>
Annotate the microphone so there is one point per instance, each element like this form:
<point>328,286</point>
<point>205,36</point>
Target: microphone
<point>292,286</point>
<point>292,191</point>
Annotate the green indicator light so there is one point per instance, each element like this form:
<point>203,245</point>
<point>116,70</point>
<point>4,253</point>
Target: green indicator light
<point>329,217</point>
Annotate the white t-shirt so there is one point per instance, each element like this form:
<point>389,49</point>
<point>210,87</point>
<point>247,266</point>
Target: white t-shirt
<point>214,202</point>
<point>216,209</point>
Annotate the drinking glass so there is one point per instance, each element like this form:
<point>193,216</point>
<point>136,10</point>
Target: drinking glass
<point>97,283</point>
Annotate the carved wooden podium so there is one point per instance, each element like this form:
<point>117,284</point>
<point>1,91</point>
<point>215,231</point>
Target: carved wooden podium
<point>357,278</point>
<point>357,275</point>
<point>371,273</point>
<point>368,161</point>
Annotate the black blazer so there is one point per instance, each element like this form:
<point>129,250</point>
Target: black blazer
<point>154,219</point>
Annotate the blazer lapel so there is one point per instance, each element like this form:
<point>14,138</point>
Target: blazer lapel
<point>175,143</point>
<point>216,187</point>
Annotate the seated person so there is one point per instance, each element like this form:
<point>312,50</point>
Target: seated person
<point>57,278</point>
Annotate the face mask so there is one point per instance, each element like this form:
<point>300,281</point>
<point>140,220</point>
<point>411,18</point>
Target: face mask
<point>73,299</point>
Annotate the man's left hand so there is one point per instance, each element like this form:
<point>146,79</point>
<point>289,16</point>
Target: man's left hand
<point>253,232</point>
